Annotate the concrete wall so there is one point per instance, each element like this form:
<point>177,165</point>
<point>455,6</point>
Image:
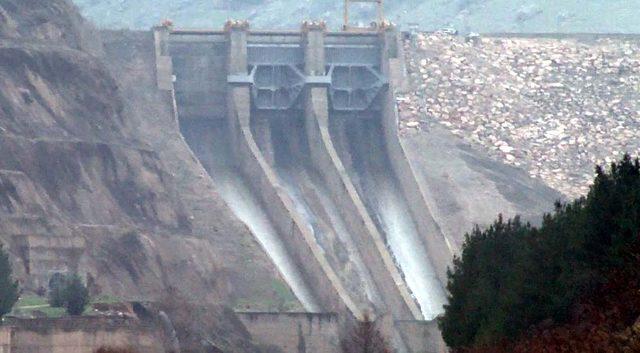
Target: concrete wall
<point>294,332</point>
<point>440,253</point>
<point>77,335</point>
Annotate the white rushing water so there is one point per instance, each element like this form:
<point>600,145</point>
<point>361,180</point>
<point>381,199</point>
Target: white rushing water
<point>406,246</point>
<point>346,238</point>
<point>350,246</point>
<point>247,208</point>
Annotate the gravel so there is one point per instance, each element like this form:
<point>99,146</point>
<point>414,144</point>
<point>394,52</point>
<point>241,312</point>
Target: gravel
<point>555,107</point>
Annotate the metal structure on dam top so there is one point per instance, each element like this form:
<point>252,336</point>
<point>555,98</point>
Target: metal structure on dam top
<point>277,78</point>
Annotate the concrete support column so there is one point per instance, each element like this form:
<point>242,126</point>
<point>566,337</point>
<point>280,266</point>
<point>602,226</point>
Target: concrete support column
<point>316,106</point>
<point>237,38</point>
<point>238,94</point>
<point>313,40</point>
<point>164,65</point>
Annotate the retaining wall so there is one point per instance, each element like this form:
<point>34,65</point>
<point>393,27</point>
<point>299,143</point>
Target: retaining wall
<point>78,335</point>
<point>294,332</point>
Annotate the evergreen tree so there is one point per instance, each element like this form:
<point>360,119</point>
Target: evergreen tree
<point>8,287</point>
<point>76,295</point>
<point>365,338</point>
<point>57,285</point>
<point>512,276</point>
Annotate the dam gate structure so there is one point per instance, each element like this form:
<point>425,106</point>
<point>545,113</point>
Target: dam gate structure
<point>298,130</point>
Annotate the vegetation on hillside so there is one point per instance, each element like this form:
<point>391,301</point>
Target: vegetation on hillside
<point>68,291</point>
<point>572,282</point>
<point>8,286</point>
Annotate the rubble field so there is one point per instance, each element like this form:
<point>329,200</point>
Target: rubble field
<point>555,107</point>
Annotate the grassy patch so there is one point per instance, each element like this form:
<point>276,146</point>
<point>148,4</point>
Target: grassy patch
<point>31,300</point>
<point>106,299</point>
<point>27,304</point>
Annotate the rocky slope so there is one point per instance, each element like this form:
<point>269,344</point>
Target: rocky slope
<point>95,178</point>
<point>522,16</point>
<point>553,106</point>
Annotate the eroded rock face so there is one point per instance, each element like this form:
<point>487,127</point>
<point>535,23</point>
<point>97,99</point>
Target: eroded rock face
<point>50,22</point>
<point>95,178</point>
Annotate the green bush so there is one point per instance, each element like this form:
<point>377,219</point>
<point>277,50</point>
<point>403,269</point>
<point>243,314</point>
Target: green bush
<point>57,283</point>
<point>511,275</point>
<point>76,295</point>
<point>68,291</point>
<point>8,286</point>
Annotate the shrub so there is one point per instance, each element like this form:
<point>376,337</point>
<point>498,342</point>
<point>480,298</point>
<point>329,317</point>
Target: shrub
<point>76,295</point>
<point>57,283</point>
<point>8,286</point>
<point>69,292</point>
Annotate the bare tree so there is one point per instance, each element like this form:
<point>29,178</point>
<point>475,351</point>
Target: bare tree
<point>365,337</point>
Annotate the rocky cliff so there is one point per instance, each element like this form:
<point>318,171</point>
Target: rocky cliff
<point>95,178</point>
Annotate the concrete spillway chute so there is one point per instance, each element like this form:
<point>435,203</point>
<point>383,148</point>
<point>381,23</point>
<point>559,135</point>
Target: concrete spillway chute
<point>307,119</point>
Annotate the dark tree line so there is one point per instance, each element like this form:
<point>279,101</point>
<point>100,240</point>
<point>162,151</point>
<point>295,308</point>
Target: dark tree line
<point>9,291</point>
<point>69,292</point>
<point>512,276</point>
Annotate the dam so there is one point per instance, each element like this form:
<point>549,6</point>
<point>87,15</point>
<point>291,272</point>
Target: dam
<point>298,130</point>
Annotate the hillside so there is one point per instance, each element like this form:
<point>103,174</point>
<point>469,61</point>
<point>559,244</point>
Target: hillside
<point>552,106</point>
<point>92,168</point>
<point>484,16</point>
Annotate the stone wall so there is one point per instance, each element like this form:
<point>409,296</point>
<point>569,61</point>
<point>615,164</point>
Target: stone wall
<point>294,332</point>
<point>78,335</point>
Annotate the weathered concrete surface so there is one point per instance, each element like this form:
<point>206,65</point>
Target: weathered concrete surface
<point>288,221</point>
<point>371,246</point>
<point>78,335</point>
<point>440,253</point>
<point>295,332</point>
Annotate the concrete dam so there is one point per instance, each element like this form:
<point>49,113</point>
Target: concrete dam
<point>298,131</point>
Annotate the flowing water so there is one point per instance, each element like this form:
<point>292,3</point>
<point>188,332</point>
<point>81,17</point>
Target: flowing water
<point>214,153</point>
<point>361,145</point>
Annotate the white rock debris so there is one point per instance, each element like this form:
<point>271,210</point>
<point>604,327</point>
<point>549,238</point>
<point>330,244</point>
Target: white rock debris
<point>555,107</point>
